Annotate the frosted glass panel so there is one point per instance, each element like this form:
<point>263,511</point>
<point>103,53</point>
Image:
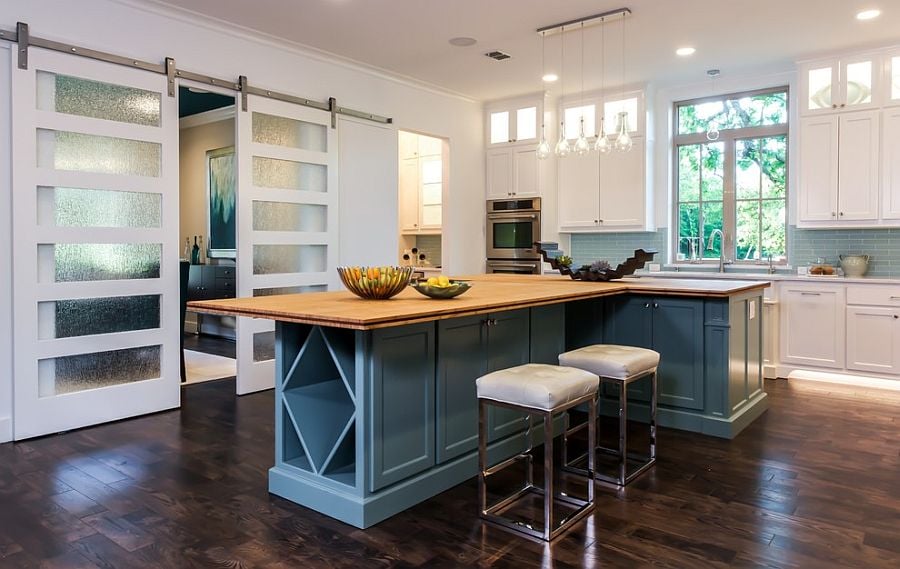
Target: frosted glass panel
<point>86,316</point>
<point>69,374</point>
<point>820,94</point>
<point>289,290</point>
<point>78,152</point>
<point>87,98</point>
<point>76,207</point>
<point>270,259</point>
<point>282,131</point>
<point>895,77</point>
<point>499,127</point>
<point>611,112</point>
<point>859,83</point>
<point>70,262</point>
<point>263,346</point>
<point>289,175</point>
<point>281,216</point>
<point>573,121</point>
<point>526,123</point>
<point>431,215</point>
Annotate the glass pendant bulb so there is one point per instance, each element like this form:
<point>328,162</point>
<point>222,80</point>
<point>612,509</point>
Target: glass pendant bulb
<point>543,148</point>
<point>562,147</point>
<point>582,146</point>
<point>623,141</point>
<point>602,145</point>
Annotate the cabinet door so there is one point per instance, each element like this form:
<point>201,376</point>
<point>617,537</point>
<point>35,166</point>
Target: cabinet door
<point>812,329</point>
<point>819,87</point>
<point>629,322</point>
<point>408,145</point>
<point>499,169</point>
<point>409,194</point>
<point>622,190</point>
<point>462,358</point>
<point>891,84</point>
<point>819,168</point>
<point>858,166</point>
<point>860,82</point>
<point>526,172</point>
<point>890,162</point>
<point>508,345</point>
<point>402,405</point>
<point>579,191</point>
<point>678,337</point>
<point>873,339</point>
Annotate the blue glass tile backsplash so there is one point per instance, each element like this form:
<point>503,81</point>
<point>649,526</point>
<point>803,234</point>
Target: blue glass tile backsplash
<point>804,246</point>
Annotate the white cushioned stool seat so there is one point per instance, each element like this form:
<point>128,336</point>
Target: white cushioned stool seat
<point>617,362</point>
<point>538,386</point>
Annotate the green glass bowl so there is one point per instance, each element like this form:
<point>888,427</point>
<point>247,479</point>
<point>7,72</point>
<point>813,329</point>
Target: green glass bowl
<point>456,288</point>
<point>395,281</point>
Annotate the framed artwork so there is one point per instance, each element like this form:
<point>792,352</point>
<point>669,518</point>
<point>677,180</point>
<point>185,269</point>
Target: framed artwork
<point>220,186</point>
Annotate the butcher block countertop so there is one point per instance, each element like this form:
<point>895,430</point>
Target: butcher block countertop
<point>489,293</point>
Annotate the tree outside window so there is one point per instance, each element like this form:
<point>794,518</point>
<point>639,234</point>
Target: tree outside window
<point>731,174</point>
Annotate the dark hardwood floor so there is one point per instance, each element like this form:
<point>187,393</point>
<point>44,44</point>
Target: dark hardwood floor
<point>209,344</point>
<point>814,483</point>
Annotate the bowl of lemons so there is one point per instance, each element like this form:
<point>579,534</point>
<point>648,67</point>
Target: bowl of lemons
<point>376,283</point>
<point>440,287</point>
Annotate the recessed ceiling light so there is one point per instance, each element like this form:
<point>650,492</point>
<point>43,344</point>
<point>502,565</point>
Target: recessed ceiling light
<point>550,77</point>
<point>462,41</point>
<point>868,14</point>
<point>685,51</point>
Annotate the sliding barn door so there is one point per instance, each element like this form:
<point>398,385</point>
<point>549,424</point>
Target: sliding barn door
<point>95,241</point>
<point>287,219</point>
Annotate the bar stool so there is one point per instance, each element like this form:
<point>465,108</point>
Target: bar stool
<point>619,365</point>
<point>546,391</point>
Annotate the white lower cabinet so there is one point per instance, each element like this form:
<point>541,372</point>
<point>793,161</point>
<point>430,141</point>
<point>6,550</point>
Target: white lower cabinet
<point>873,339</point>
<point>813,325</point>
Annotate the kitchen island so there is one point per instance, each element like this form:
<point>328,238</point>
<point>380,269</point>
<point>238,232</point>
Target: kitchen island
<point>375,405</point>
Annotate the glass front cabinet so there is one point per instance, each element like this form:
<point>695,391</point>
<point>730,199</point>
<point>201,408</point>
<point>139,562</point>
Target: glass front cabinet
<point>844,84</point>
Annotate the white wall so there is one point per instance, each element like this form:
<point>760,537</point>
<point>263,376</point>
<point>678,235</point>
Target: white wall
<point>193,144</point>
<point>150,33</point>
<point>5,251</point>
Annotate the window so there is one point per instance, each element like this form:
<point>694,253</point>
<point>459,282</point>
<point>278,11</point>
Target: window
<point>731,175</point>
<point>500,127</point>
<point>573,118</point>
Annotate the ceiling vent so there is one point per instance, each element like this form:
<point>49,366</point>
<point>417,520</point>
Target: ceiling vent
<point>498,55</point>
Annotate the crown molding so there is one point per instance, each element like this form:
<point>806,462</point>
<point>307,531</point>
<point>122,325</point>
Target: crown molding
<point>207,117</point>
<point>211,23</point>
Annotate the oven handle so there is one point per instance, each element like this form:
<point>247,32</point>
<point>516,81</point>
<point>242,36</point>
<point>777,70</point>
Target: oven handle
<point>511,216</point>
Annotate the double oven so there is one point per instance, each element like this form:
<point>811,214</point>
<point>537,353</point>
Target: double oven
<point>513,225</point>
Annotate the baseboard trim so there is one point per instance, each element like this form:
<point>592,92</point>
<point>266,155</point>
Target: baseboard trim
<point>5,429</point>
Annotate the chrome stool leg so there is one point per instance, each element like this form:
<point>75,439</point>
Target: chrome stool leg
<point>623,432</point>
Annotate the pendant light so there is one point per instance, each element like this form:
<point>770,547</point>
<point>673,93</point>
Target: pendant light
<point>602,144</point>
<point>582,146</point>
<point>543,148</point>
<point>623,141</point>
<point>562,147</point>
<point>712,133</point>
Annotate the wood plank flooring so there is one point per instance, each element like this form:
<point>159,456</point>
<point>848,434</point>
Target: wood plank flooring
<point>814,483</point>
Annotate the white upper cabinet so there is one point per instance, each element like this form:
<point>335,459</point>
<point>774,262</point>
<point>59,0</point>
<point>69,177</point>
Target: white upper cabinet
<point>513,123</point>
<point>850,83</point>
<point>511,164</point>
<point>421,183</point>
<point>839,178</point>
<point>890,163</point>
<point>605,192</point>
<point>892,77</point>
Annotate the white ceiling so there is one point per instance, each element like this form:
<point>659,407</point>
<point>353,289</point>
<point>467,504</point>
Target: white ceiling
<point>409,37</point>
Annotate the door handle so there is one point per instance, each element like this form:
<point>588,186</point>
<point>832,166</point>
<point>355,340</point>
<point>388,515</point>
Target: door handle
<point>655,305</point>
<point>646,305</point>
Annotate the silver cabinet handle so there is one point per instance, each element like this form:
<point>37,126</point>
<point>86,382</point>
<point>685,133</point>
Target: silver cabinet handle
<point>655,305</point>
<point>647,305</point>
<point>895,298</point>
<point>811,293</point>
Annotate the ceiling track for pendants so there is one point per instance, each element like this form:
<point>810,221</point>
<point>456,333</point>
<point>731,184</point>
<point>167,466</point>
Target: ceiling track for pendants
<point>23,38</point>
<point>587,20</point>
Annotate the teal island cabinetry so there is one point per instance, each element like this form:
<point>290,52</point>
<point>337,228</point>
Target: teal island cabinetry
<point>375,406</point>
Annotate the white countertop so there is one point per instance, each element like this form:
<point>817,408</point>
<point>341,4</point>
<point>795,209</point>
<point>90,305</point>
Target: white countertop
<point>751,276</point>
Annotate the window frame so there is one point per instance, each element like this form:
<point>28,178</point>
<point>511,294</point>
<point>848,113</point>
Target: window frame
<point>729,190</point>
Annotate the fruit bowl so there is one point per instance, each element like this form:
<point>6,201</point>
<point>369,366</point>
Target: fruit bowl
<point>375,283</point>
<point>452,289</point>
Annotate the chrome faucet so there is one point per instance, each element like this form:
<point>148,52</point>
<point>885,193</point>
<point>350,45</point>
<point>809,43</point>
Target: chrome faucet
<point>710,244</point>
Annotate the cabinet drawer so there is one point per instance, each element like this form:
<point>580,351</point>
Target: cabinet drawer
<point>224,272</point>
<point>874,295</point>
<point>225,286</point>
